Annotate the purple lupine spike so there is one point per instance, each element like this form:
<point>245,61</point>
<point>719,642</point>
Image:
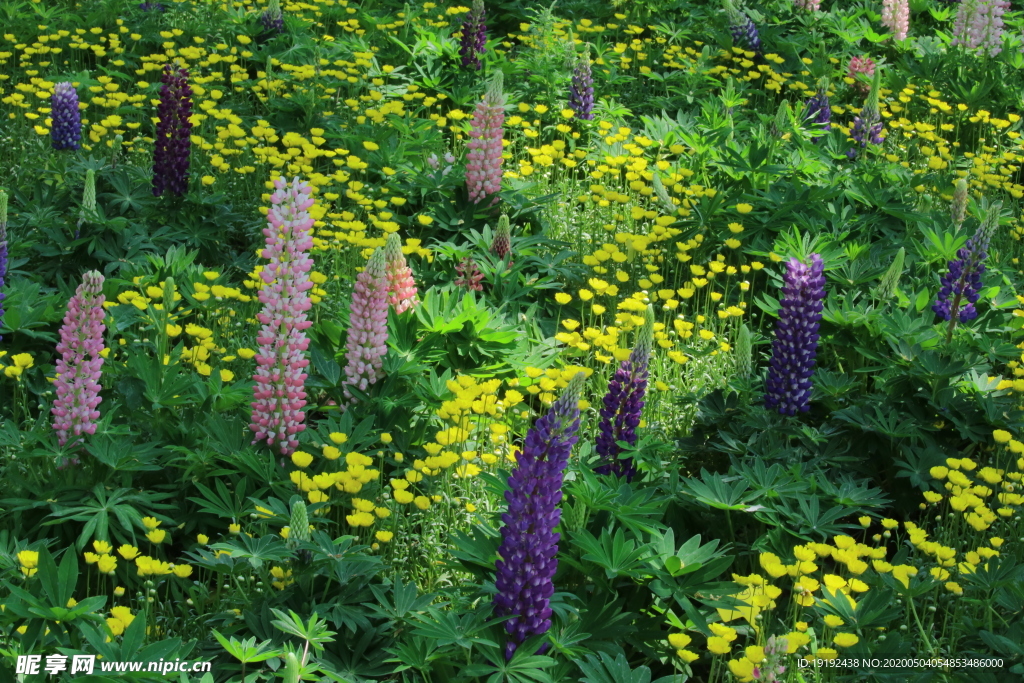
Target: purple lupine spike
<point>818,110</point>
<point>963,281</point>
<point>581,90</point>
<point>79,367</point>
<point>3,251</point>
<point>272,19</point>
<point>788,388</point>
<point>66,131</point>
<point>279,381</point>
<point>623,405</point>
<point>742,28</point>
<point>151,7</point>
<point>867,125</point>
<point>173,133</point>
<point>474,36</point>
<point>529,544</point>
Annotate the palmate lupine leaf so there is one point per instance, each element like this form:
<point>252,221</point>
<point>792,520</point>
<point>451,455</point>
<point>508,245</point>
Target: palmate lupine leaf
<point>715,491</point>
<point>605,669</point>
<point>617,555</point>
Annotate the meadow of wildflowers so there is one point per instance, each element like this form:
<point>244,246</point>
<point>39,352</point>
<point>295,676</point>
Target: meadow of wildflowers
<point>603,342</point>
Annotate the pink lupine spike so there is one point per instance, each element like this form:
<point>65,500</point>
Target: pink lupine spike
<point>79,367</point>
<point>279,391</point>
<point>368,326</point>
<point>402,292</point>
<point>483,165</point>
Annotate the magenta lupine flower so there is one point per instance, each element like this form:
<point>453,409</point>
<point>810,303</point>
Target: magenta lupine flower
<point>279,389</point>
<point>483,166</point>
<point>858,66</point>
<point>896,17</point>
<point>173,133</point>
<point>470,276</point>
<point>368,326</point>
<point>401,285</point>
<point>979,25</point>
<point>788,388</point>
<point>623,405</point>
<point>501,245</point>
<point>80,364</point>
<point>474,36</point>
<point>529,544</point>
<point>66,128</point>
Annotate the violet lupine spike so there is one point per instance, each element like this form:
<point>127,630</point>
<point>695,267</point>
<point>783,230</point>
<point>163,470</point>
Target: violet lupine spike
<point>867,125</point>
<point>402,292</point>
<point>581,90</point>
<point>963,280</point>
<point>623,405</point>
<point>788,387</point>
<point>529,544</point>
<point>279,381</point>
<point>272,19</point>
<point>742,28</point>
<point>818,110</point>
<point>79,367</point>
<point>474,36</point>
<point>483,161</point>
<point>173,133</point>
<point>3,252</point>
<point>979,25</point>
<point>368,326</point>
<point>66,128</point>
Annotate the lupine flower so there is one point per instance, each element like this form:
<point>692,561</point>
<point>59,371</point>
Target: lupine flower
<point>771,669</point>
<point>963,281</point>
<point>368,326</point>
<point>474,36</point>
<point>581,90</point>
<point>80,364</point>
<point>958,208</point>
<point>744,352</point>
<point>483,166</point>
<point>3,251</point>
<point>861,65</point>
<point>807,5</point>
<point>896,17</point>
<point>88,209</point>
<point>173,133</point>
<point>501,245</point>
<point>782,121</point>
<point>742,28</point>
<point>979,25</point>
<point>788,388</point>
<point>151,7</point>
<point>818,110</point>
<point>469,275</point>
<point>401,286</point>
<point>66,130</point>
<point>272,19</point>
<point>529,544</point>
<point>279,380</point>
<point>623,405</point>
<point>867,125</point>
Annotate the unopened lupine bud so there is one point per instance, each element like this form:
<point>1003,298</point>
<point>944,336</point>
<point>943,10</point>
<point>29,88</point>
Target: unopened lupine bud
<point>780,125</point>
<point>66,128</point>
<point>173,142</point>
<point>958,209</point>
<point>961,285</point>
<point>887,285</point>
<point>501,246</point>
<point>401,286</point>
<point>79,367</point>
<point>624,403</point>
<point>581,90</point>
<point>529,545</point>
<point>279,381</point>
<point>483,161</point>
<point>788,387</point>
<point>88,196</point>
<point>368,326</point>
<point>3,251</point>
<point>473,43</point>
<point>744,352</point>
<point>299,522</point>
